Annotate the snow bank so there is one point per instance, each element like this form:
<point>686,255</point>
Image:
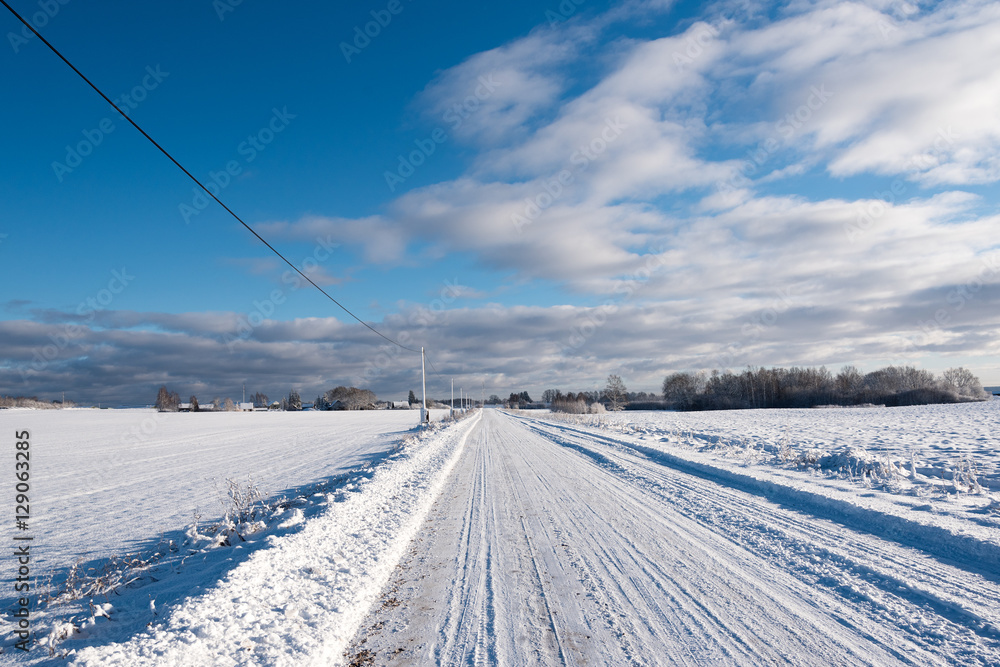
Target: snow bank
<point>945,452</point>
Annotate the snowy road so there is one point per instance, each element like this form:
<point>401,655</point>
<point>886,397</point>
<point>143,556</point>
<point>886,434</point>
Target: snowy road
<point>552,544</point>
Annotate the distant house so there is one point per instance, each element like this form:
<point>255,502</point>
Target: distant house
<point>202,407</point>
<point>401,405</point>
<point>246,407</point>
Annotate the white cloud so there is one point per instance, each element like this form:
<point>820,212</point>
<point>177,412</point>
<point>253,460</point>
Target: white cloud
<point>380,238</point>
<point>611,190</point>
<point>914,96</point>
<point>493,97</point>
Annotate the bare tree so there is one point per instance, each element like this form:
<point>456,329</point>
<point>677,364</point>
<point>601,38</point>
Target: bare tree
<point>615,393</point>
<point>850,383</point>
<point>964,383</point>
<point>682,389</point>
<point>167,401</point>
<point>162,399</point>
<point>194,403</point>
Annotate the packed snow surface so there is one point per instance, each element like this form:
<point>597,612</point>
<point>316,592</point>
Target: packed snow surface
<point>554,544</point>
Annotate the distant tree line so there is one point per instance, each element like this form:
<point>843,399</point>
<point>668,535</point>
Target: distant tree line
<point>810,387</point>
<point>343,398</point>
<point>31,402</point>
<point>615,396</point>
<point>520,400</point>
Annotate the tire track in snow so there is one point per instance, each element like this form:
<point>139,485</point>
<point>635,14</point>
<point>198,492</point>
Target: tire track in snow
<point>695,595</point>
<point>944,610</point>
<point>593,564</point>
<point>465,628</point>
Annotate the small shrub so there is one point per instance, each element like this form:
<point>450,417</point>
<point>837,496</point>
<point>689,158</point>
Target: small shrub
<point>576,407</point>
<point>242,513</point>
<point>965,477</point>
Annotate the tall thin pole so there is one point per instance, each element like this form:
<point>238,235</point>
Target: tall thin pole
<point>453,397</point>
<point>424,417</point>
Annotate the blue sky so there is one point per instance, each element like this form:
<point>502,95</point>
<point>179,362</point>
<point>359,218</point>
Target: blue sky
<point>540,194</point>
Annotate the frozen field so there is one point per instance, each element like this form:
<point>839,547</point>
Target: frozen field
<point>861,536</point>
<point>110,482</point>
<point>931,450</point>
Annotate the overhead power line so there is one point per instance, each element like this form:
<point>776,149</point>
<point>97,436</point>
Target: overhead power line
<point>199,183</point>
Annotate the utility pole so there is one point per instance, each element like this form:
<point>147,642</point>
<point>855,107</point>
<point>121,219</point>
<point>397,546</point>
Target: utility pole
<point>453,397</point>
<point>424,416</point>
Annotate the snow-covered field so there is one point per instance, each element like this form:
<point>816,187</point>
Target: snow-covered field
<point>928,476</point>
<point>946,454</point>
<point>937,438</point>
<point>110,482</point>
<point>852,536</point>
<point>117,483</point>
